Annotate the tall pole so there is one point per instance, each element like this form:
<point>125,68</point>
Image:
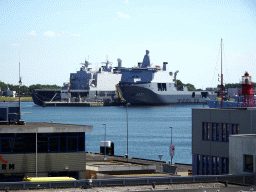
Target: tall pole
<point>127,128</point>
<point>19,93</point>
<point>105,142</point>
<point>171,143</point>
<point>36,153</point>
<point>221,78</point>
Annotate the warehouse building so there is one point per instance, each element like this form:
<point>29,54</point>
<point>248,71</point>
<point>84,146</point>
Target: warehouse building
<point>40,149</point>
<point>211,129</point>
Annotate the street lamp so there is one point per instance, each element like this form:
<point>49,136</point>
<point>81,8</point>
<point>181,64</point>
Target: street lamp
<point>171,146</point>
<point>105,143</point>
<point>127,128</point>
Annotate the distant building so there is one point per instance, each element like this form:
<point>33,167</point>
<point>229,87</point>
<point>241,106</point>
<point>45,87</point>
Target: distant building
<point>211,88</point>
<point>211,130</point>
<point>8,93</point>
<point>242,154</point>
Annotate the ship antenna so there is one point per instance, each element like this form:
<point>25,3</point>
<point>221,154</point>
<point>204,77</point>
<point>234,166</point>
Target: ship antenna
<point>221,79</point>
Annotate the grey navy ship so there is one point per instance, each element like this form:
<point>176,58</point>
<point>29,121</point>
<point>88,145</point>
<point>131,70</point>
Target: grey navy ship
<point>145,85</point>
<point>85,86</point>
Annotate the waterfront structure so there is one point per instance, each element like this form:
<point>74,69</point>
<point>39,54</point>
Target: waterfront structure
<point>39,149</point>
<point>242,154</point>
<point>211,129</point>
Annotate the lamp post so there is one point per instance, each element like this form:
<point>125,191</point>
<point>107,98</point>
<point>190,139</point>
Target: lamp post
<point>105,142</point>
<point>127,128</point>
<point>171,145</point>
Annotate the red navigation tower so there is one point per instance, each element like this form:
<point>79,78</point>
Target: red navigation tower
<point>247,91</point>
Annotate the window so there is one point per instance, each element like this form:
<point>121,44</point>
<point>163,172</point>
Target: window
<point>233,129</point>
<point>72,143</point>
<point>214,165</point>
<point>161,86</point>
<point>208,131</point>
<point>18,145</point>
<point>42,144</point>
<point>46,142</point>
<point>214,131</point>
<point>228,133</point>
<point>6,145</point>
<point>218,132</point>
<point>223,132</point>
<point>248,163</point>
<point>53,144</point>
<point>63,144</point>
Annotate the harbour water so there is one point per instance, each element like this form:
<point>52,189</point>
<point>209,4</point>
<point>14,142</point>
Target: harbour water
<point>149,133</point>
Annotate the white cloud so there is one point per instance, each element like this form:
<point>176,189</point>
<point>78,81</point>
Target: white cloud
<point>126,1</point>
<point>49,34</point>
<point>32,33</point>
<point>123,15</point>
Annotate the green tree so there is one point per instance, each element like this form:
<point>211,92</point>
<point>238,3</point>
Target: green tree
<point>188,85</point>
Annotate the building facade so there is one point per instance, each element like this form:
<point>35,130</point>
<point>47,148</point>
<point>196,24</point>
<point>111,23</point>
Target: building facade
<point>211,129</point>
<point>42,150</point>
<point>242,154</point>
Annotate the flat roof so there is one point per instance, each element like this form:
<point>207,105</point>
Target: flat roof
<point>243,135</point>
<point>117,166</point>
<point>42,127</point>
<point>238,108</point>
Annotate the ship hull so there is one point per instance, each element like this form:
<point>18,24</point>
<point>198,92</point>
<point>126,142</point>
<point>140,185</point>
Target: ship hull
<point>139,95</point>
<point>41,96</point>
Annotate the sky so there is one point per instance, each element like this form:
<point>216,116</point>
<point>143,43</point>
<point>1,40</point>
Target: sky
<point>51,38</point>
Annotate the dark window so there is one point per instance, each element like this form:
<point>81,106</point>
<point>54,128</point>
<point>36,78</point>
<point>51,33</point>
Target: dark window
<point>214,165</point>
<point>53,144</point>
<point>208,131</point>
<point>18,145</point>
<point>42,144</point>
<point>81,144</point>
<point>224,164</point>
<point>164,86</point>
<point>248,163</point>
<point>72,143</point>
<point>6,146</point>
<point>30,144</point>
<point>159,85</point>
<point>223,132</point>
<point>228,132</point>
<point>214,131</point>
<point>233,129</point>
<point>218,132</point>
<point>198,164</point>
<point>217,166</point>
<point>63,144</point>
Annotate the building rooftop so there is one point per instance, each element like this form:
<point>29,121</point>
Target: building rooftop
<point>44,128</point>
<point>244,135</point>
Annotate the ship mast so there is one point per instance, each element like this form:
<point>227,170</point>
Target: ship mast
<point>221,78</point>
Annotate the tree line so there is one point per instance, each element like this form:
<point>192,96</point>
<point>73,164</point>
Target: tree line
<point>27,91</point>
